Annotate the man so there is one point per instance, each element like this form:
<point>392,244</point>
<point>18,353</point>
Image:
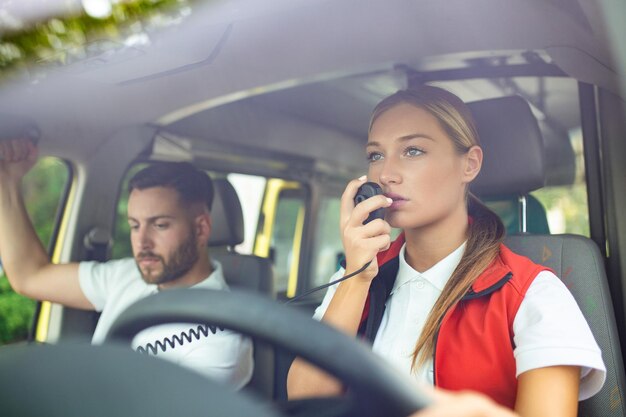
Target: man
<point>168,214</point>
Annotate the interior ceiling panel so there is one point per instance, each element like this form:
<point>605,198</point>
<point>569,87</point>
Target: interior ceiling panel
<point>275,45</point>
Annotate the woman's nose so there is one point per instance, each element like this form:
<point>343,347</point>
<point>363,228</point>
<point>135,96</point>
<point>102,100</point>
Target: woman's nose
<point>389,173</point>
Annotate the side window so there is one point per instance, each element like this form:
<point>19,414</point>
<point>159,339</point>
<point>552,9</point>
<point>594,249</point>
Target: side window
<point>121,235</point>
<point>566,206</point>
<point>250,189</point>
<point>44,190</point>
<point>280,232</point>
<point>327,246</point>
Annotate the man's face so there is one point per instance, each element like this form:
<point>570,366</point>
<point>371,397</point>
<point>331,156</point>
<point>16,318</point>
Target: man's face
<point>162,234</point>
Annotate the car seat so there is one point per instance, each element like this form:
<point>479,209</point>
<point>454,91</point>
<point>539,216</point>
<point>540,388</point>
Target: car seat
<point>514,164</point>
<point>241,271</point>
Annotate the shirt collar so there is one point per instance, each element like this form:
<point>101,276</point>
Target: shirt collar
<point>438,275</point>
<point>215,281</point>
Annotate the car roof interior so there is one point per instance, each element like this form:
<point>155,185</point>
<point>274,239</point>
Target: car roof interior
<point>327,87</point>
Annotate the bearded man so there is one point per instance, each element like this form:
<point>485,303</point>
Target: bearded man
<point>170,223</point>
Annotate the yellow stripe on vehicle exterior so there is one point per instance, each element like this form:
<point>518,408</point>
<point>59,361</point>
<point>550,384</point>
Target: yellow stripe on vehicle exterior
<point>270,201</point>
<point>43,320</point>
<point>262,241</point>
<point>292,284</point>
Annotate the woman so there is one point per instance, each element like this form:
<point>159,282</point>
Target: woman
<point>454,316</point>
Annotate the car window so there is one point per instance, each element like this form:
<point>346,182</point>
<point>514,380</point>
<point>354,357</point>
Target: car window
<point>44,194</point>
<point>327,248</point>
<point>250,189</point>
<point>279,232</point>
<point>121,234</point>
<point>566,205</point>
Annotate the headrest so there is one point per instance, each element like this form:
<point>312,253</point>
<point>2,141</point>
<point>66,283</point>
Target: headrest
<point>226,215</point>
<point>513,161</point>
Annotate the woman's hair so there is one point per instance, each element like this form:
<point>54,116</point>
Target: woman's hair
<point>486,230</point>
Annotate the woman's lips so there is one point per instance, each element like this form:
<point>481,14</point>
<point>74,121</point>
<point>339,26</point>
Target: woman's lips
<point>398,200</point>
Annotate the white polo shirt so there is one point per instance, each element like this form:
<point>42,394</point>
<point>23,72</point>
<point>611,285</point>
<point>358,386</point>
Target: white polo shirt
<point>549,328</point>
<point>113,286</point>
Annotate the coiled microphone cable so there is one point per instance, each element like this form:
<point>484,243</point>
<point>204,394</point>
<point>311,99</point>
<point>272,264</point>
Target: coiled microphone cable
<point>201,330</point>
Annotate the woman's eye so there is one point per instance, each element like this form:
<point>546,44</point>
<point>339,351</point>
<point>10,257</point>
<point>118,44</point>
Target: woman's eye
<point>413,151</point>
<point>374,156</point>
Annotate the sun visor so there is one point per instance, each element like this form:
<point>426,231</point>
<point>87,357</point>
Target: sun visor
<point>142,59</point>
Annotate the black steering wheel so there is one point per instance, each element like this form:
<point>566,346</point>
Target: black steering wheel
<point>77,380</point>
<point>376,388</point>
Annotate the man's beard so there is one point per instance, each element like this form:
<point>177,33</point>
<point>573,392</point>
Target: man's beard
<point>180,262</point>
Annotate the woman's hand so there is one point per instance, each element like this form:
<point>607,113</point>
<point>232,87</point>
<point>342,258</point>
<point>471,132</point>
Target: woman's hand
<point>362,242</point>
<point>463,404</point>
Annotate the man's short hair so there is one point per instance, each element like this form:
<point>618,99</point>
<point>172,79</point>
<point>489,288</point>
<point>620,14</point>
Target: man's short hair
<point>193,186</point>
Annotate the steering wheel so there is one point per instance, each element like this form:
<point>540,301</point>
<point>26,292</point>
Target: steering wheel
<point>80,380</point>
<point>376,388</point>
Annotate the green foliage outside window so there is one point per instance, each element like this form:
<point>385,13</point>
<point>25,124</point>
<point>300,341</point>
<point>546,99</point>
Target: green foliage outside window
<point>121,236</point>
<point>62,41</point>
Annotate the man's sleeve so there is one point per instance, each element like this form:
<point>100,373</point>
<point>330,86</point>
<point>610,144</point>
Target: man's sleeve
<point>96,279</point>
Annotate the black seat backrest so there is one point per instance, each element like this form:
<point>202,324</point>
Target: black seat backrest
<point>514,164</point>
<point>242,271</point>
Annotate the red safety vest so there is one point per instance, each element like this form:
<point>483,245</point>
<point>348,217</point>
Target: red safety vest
<point>474,344</point>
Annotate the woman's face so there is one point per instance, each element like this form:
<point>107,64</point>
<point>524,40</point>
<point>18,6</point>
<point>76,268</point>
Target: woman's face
<point>416,164</point>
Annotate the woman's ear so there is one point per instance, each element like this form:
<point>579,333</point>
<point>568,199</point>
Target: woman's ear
<point>473,163</point>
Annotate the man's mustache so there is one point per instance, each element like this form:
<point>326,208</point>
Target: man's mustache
<point>147,254</point>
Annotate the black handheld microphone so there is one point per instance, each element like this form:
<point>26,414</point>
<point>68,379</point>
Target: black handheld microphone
<point>365,191</point>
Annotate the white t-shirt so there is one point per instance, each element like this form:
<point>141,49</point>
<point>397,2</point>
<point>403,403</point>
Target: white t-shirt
<point>549,328</point>
<point>113,286</point>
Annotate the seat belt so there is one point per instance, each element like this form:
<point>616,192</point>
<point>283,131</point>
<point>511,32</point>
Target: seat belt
<point>98,242</point>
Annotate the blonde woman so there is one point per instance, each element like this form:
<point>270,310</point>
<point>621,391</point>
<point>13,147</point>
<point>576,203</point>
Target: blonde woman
<point>462,311</point>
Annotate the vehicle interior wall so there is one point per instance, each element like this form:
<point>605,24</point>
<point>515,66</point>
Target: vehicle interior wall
<point>612,122</point>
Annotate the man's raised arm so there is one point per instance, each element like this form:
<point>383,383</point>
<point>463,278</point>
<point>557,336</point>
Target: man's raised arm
<point>24,258</point>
